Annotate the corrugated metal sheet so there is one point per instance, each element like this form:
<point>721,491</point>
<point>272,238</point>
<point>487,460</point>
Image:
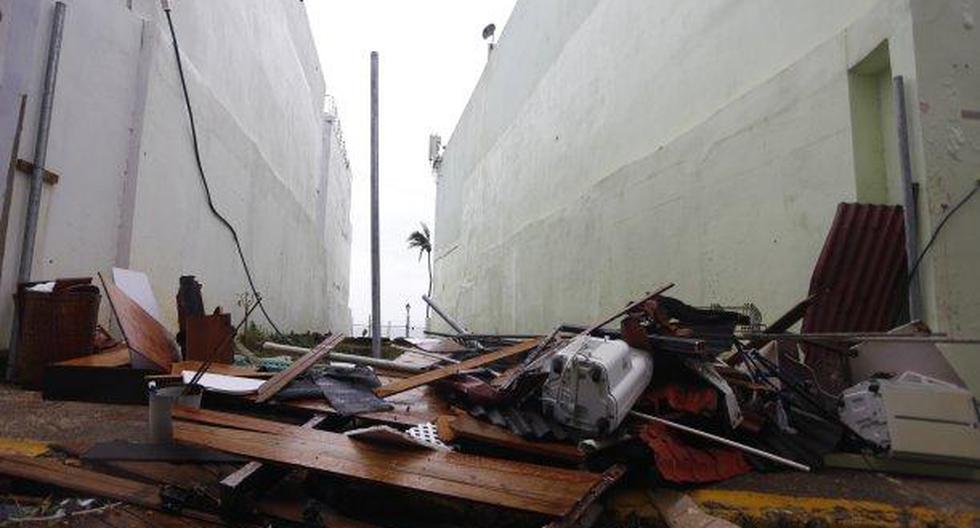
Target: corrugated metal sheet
<point>859,281</point>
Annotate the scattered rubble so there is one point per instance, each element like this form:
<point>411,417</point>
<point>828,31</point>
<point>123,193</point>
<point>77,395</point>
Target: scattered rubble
<point>490,430</point>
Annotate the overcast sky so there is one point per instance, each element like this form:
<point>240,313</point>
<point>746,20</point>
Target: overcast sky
<point>431,56</point>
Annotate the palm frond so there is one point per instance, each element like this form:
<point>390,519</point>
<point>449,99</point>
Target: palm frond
<point>421,240</point>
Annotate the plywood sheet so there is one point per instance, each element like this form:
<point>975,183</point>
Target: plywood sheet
<point>144,335</point>
<point>136,285</point>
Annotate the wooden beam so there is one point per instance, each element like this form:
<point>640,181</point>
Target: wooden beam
<point>425,378</point>
<point>273,385</point>
<point>27,167</point>
<point>522,486</point>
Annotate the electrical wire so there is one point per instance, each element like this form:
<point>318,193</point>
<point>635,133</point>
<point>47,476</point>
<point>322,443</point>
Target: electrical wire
<point>204,180</point>
<point>935,232</point>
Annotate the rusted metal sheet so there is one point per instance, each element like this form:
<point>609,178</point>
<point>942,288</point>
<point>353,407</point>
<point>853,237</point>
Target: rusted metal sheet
<point>859,279</point>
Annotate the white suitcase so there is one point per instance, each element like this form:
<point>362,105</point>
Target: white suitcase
<point>593,383</point>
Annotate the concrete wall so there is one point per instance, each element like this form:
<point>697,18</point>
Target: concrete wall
<point>130,194</point>
<point>612,145</point>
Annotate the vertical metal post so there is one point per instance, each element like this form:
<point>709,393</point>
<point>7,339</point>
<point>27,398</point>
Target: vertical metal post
<point>375,239</point>
<point>909,194</point>
<point>408,320</point>
<point>40,159</point>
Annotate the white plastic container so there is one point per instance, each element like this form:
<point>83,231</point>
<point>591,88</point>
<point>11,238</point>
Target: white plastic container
<point>593,383</point>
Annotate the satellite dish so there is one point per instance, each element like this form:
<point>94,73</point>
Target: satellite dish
<point>489,31</point>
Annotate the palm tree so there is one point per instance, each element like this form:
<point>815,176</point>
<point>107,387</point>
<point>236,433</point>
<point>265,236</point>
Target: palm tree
<point>423,241</point>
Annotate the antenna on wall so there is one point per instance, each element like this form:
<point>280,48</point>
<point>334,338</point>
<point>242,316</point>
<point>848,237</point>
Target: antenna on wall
<point>488,34</point>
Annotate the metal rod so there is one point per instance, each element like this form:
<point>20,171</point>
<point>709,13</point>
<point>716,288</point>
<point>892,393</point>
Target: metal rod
<point>857,338</point>
<point>909,194</point>
<point>481,336</point>
<point>375,222</point>
<point>346,358</point>
<point>722,440</point>
<point>40,159</point>
<point>629,307</point>
<point>460,329</point>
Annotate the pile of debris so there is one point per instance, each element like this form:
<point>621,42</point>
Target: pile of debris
<point>514,430</point>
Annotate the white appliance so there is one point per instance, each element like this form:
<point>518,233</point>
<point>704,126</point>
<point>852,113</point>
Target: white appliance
<point>915,416</point>
<point>593,383</point>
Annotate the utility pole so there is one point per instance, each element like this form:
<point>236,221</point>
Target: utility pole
<point>375,239</point>
<point>408,320</point>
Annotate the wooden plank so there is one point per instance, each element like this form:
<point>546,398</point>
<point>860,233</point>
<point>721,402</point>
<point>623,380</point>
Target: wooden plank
<point>115,357</point>
<point>253,476</point>
<point>527,487</point>
<point>54,472</point>
<point>467,427</point>
<point>143,334</point>
<point>217,368</point>
<point>272,386</point>
<point>354,449</point>
<point>425,378</point>
<point>379,463</point>
<point>27,167</point>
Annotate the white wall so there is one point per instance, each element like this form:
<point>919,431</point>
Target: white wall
<point>947,43</point>
<point>612,145</point>
<point>130,194</point>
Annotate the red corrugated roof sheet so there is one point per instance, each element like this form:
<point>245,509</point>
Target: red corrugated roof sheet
<point>859,278</point>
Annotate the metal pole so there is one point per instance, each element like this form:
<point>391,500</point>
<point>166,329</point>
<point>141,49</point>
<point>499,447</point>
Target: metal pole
<point>721,440</point>
<point>375,239</point>
<point>460,329</point>
<point>408,320</point>
<point>345,358</point>
<point>909,193</point>
<point>40,158</point>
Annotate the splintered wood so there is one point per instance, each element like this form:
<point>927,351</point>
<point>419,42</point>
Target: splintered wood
<point>434,375</point>
<point>521,486</point>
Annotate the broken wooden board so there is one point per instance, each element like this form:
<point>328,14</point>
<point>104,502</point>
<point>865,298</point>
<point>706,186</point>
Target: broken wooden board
<point>521,486</point>
<point>253,476</point>
<point>54,472</point>
<point>425,378</point>
<point>465,426</point>
<point>143,334</point>
<point>585,511</point>
<point>276,383</point>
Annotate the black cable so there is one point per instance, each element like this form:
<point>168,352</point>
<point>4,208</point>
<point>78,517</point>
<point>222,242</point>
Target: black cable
<point>939,227</point>
<point>204,180</point>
